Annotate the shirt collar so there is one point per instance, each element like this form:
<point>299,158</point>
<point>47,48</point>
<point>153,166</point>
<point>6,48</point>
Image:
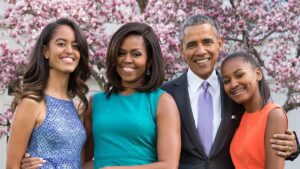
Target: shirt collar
<point>195,81</point>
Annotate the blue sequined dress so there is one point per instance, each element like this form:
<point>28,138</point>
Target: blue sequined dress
<point>60,137</point>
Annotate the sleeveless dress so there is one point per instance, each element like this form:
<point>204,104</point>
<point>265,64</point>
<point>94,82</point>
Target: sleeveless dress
<point>60,137</point>
<point>247,147</point>
<point>124,128</point>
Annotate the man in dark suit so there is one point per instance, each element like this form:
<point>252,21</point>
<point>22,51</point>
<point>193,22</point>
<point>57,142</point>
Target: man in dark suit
<point>200,44</point>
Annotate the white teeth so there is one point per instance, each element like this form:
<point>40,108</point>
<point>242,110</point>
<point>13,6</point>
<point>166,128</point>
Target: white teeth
<point>128,69</point>
<point>237,91</point>
<point>67,59</point>
<point>202,60</point>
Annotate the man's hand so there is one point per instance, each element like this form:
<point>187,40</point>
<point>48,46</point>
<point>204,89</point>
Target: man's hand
<point>285,144</point>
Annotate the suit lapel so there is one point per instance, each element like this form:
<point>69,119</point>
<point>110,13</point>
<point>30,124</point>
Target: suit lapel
<point>183,102</point>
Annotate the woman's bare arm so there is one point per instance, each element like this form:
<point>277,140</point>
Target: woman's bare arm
<point>23,122</point>
<point>276,123</point>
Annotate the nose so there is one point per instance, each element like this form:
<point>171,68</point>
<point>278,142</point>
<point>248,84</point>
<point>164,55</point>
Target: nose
<point>233,84</point>
<point>200,49</point>
<point>127,58</point>
<point>69,49</point>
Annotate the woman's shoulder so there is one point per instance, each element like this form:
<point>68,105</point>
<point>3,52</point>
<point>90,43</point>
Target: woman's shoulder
<point>30,101</point>
<point>276,114</point>
<point>29,106</point>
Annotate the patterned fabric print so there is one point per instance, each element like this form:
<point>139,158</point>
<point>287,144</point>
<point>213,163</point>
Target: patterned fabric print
<point>59,139</point>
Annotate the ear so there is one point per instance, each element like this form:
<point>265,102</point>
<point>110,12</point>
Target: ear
<point>220,42</point>
<point>46,52</point>
<point>259,74</point>
<point>180,50</point>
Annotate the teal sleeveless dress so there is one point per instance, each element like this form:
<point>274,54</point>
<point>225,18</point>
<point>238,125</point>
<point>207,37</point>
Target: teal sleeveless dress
<point>124,128</point>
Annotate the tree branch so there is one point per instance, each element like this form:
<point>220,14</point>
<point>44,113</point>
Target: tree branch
<point>251,49</point>
<point>267,35</point>
<point>288,106</point>
<point>232,3</point>
<point>142,5</point>
<point>234,39</point>
<point>100,79</point>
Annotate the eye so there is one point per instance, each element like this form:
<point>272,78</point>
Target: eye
<point>136,54</point>
<point>61,44</point>
<point>226,81</point>
<point>239,75</point>
<point>207,41</point>
<point>75,46</point>
<point>121,53</point>
<point>190,45</point>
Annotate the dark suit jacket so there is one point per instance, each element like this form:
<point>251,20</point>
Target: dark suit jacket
<point>192,153</point>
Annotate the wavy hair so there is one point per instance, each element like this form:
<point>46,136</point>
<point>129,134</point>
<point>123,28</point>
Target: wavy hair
<point>36,76</point>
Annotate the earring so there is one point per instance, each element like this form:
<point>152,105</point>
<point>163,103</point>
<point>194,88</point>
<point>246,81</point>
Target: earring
<point>148,72</point>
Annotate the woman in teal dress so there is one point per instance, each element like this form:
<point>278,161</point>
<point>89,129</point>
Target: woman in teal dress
<point>134,123</point>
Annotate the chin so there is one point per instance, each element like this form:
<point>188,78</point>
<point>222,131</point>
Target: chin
<point>69,71</point>
<point>239,100</point>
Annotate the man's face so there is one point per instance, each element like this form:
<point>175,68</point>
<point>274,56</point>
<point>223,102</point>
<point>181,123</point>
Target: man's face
<point>200,47</point>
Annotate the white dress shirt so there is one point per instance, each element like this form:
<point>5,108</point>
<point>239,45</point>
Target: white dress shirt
<point>194,83</point>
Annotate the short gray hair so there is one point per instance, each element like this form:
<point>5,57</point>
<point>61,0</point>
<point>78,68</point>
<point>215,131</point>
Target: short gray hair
<point>197,20</point>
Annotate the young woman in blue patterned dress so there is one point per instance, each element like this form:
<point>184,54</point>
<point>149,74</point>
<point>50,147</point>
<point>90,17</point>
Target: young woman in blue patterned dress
<point>46,122</point>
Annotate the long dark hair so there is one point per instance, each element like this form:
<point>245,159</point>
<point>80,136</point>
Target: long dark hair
<point>154,54</point>
<point>36,76</point>
<point>264,89</point>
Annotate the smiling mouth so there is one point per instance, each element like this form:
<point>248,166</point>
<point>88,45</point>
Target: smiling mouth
<point>237,91</point>
<point>67,59</point>
<point>128,69</point>
<point>203,61</point>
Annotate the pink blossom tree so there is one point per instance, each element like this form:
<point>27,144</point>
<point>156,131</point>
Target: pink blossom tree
<point>270,30</point>
<point>267,29</point>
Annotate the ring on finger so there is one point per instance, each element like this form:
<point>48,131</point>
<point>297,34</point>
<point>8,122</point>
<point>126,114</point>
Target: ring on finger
<point>289,148</point>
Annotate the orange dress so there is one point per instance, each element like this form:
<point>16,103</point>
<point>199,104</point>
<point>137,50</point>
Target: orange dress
<point>247,147</point>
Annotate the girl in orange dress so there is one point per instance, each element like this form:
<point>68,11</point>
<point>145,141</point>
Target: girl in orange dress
<point>245,84</point>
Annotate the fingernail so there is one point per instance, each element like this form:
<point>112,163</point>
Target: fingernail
<point>44,161</point>
<point>40,165</point>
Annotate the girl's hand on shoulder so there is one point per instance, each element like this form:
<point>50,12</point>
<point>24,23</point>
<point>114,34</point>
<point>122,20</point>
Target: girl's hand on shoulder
<point>31,162</point>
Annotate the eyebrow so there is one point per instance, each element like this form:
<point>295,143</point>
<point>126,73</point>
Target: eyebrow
<point>234,72</point>
<point>208,39</point>
<point>191,42</point>
<point>238,70</point>
<point>58,39</point>
<point>62,39</point>
<point>133,50</point>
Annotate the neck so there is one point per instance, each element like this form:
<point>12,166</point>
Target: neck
<point>130,87</point>
<point>255,104</point>
<point>58,85</point>
<point>128,91</point>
